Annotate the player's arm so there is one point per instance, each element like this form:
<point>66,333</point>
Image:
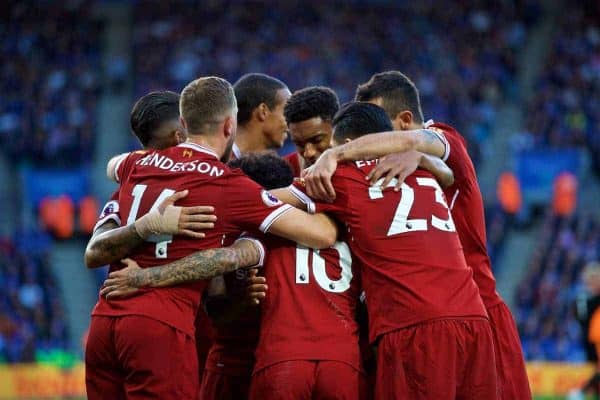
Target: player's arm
<point>110,243</point>
<point>205,264</point>
<point>401,165</point>
<point>368,147</point>
<point>317,231</point>
<point>113,165</point>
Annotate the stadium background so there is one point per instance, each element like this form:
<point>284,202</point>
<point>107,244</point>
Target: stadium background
<point>520,79</point>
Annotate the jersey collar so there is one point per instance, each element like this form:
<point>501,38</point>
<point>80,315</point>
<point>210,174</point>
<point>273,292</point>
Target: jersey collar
<point>237,153</point>
<point>201,149</point>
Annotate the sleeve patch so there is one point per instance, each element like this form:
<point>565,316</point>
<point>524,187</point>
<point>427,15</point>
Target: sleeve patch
<point>112,207</point>
<point>269,199</point>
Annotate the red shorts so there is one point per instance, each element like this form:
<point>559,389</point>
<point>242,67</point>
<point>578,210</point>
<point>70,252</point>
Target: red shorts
<point>302,379</point>
<point>441,359</point>
<point>136,357</point>
<point>219,386</point>
<point>510,365</point>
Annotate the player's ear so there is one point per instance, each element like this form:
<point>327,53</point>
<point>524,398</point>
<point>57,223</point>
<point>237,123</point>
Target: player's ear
<point>182,121</point>
<point>262,111</point>
<point>180,136</point>
<point>347,140</point>
<point>404,120</point>
<point>229,127</point>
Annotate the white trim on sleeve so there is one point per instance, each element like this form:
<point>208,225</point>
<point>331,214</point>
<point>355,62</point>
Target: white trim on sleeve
<point>303,197</point>
<point>109,217</point>
<point>442,137</point>
<point>259,246</point>
<point>118,164</point>
<point>268,221</point>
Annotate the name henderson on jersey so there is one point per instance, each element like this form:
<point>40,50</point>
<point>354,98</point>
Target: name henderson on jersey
<point>167,164</point>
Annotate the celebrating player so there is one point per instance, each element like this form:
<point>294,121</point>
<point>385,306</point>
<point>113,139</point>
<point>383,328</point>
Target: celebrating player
<point>208,111</point>
<point>424,306</point>
<point>400,98</point>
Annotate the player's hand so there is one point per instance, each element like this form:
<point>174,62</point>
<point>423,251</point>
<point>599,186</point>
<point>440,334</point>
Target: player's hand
<point>169,219</point>
<point>397,166</point>
<point>192,220</point>
<point>257,288</point>
<point>317,178</point>
<point>124,282</point>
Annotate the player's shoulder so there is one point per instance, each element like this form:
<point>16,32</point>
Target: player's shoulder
<point>447,130</point>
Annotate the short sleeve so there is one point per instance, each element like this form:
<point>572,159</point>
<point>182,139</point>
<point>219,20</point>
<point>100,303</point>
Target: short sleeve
<point>338,206</point>
<point>125,164</point>
<point>441,135</point>
<point>110,212</point>
<point>458,160</point>
<point>249,206</point>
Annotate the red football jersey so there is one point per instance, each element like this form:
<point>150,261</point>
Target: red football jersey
<point>295,162</point>
<point>310,309</point>
<point>146,179</point>
<point>466,204</point>
<point>414,268</point>
<point>110,211</point>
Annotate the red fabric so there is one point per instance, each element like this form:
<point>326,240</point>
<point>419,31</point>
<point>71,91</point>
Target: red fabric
<point>204,339</point>
<point>464,196</point>
<point>139,358</point>
<point>303,379</point>
<point>239,203</point>
<point>310,309</point>
<point>442,359</point>
<point>219,386</point>
<point>510,364</point>
<point>414,270</point>
<point>295,162</point>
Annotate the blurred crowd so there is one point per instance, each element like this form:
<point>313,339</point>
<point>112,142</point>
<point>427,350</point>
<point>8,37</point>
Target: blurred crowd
<point>461,57</point>
<point>546,313</point>
<point>565,110</point>
<point>49,79</point>
<point>32,318</point>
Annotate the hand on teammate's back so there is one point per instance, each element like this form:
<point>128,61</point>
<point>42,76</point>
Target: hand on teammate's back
<point>124,282</point>
<point>169,219</point>
<point>257,288</point>
<point>395,166</point>
<point>317,178</point>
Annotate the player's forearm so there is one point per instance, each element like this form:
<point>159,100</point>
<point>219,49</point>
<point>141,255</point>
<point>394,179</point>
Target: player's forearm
<point>111,245</point>
<point>438,168</point>
<point>205,264</point>
<point>378,145</point>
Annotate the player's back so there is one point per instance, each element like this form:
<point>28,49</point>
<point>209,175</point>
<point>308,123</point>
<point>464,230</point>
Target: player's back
<point>146,180</point>
<point>414,268</point>
<point>466,203</point>
<point>310,310</point>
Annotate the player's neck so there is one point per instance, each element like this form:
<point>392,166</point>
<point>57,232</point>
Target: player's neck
<point>210,142</point>
<point>249,139</point>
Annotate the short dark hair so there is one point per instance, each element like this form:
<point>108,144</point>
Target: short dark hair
<point>397,91</point>
<point>356,119</point>
<point>205,102</point>
<point>311,102</point>
<point>265,168</point>
<point>151,111</point>
<point>253,89</point>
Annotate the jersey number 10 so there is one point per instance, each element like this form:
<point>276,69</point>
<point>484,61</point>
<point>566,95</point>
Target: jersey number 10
<point>319,271</point>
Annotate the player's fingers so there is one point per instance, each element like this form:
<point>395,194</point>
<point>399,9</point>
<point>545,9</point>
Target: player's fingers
<point>198,218</point>
<point>197,226</point>
<point>198,210</point>
<point>257,280</point>
<point>192,234</point>
<point>377,173</point>
<point>401,178</point>
<point>128,261</point>
<point>258,288</point>
<point>175,196</point>
<point>391,174</point>
<point>330,191</point>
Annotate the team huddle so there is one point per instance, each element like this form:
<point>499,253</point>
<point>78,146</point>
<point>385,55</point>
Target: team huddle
<point>353,268</point>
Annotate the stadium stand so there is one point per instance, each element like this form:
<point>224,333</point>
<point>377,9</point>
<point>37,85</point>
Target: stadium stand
<point>545,310</point>
<point>49,80</point>
<point>32,321</point>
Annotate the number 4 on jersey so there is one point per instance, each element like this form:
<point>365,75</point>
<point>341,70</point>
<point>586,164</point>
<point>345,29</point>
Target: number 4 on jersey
<point>401,223</point>
<point>162,241</point>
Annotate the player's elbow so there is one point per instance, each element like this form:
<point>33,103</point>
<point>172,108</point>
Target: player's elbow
<point>92,257</point>
<point>325,238</point>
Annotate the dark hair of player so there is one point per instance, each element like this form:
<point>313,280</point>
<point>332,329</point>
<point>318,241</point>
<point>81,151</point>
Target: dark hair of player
<point>398,93</point>
<point>205,103</point>
<point>265,168</point>
<point>151,111</point>
<point>356,119</point>
<point>311,102</point>
<point>251,90</point>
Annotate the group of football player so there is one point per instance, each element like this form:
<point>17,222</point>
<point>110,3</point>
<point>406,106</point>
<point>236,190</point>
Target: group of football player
<point>354,268</point>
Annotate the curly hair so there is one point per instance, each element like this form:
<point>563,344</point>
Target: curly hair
<point>311,102</point>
